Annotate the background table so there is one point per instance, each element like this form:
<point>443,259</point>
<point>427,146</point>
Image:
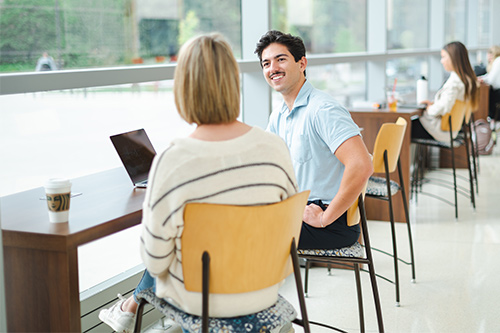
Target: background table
<point>41,258</point>
<point>370,120</point>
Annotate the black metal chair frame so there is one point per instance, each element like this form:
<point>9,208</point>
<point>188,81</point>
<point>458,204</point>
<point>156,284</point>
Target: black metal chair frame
<point>419,167</point>
<point>388,198</point>
<point>355,262</point>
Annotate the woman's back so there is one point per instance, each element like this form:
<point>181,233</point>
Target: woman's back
<point>252,169</point>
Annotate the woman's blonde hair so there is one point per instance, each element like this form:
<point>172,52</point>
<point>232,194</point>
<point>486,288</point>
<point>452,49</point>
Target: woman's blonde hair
<point>495,52</point>
<point>461,65</point>
<point>207,81</point>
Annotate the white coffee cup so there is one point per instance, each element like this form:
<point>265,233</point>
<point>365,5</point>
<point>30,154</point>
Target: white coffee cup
<point>58,195</point>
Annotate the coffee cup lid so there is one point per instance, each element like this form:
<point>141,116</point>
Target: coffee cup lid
<point>57,182</point>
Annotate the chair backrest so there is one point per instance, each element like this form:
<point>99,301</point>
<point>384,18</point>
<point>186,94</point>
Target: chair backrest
<point>249,246</point>
<point>389,138</point>
<point>353,213</point>
<point>457,115</point>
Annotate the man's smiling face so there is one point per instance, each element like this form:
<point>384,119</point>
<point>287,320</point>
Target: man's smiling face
<point>281,71</point>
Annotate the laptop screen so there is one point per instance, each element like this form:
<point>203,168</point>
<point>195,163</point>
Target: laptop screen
<point>136,152</point>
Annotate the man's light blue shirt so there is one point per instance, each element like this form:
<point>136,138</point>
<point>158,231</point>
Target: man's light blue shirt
<point>313,130</point>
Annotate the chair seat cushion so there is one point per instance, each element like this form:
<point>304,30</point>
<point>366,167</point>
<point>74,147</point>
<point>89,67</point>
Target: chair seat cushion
<point>442,144</point>
<point>353,251</point>
<point>377,187</point>
<point>279,314</point>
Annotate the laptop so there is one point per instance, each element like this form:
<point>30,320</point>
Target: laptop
<point>137,153</point>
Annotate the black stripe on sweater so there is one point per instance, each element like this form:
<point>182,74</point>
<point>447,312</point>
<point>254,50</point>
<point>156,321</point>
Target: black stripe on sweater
<point>154,256</point>
<point>236,188</point>
<point>251,165</point>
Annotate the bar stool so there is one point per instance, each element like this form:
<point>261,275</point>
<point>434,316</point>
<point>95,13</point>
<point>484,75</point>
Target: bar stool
<point>385,160</point>
<point>450,122</point>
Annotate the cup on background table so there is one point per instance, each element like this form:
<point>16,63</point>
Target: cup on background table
<point>58,194</point>
<point>392,101</point>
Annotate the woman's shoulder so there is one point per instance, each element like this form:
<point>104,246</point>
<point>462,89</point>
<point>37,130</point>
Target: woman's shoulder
<point>265,137</point>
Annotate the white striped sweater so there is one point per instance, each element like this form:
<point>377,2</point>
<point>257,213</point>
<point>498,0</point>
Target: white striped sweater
<point>252,169</point>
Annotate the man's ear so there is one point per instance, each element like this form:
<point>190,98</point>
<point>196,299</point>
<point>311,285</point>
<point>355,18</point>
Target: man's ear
<point>303,63</point>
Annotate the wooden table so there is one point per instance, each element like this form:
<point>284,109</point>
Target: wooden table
<point>41,258</point>
<point>484,102</point>
<point>370,120</point>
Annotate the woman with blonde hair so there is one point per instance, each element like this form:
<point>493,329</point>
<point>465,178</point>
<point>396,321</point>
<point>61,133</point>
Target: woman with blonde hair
<point>492,77</point>
<point>461,85</point>
<point>223,161</point>
<point>493,69</point>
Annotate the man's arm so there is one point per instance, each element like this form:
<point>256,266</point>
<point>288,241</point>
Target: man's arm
<point>358,168</point>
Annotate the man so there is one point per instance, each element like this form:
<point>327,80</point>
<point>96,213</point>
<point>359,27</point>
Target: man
<point>328,154</point>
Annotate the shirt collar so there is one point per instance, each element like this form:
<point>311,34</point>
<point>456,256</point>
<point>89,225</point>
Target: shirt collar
<point>300,100</point>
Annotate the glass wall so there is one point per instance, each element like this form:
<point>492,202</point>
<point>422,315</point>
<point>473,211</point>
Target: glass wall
<point>66,133</point>
<point>455,21</point>
<point>96,33</point>
<point>405,72</point>
<point>484,26</point>
<point>326,26</point>
<point>346,82</point>
<point>407,24</point>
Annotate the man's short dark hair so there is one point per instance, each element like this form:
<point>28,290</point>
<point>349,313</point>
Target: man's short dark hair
<point>295,45</point>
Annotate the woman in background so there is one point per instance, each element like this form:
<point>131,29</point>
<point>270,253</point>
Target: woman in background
<point>493,69</point>
<point>461,85</point>
<point>223,161</point>
<point>492,77</point>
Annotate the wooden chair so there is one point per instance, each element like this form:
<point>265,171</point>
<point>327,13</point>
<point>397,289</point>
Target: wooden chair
<point>352,256</point>
<point>450,122</point>
<point>385,160</point>
<point>230,249</point>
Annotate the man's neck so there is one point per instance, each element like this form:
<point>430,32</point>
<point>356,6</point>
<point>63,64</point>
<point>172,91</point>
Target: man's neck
<point>290,97</point>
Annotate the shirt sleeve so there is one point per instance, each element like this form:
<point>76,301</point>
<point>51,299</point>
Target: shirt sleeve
<point>334,125</point>
<point>444,101</point>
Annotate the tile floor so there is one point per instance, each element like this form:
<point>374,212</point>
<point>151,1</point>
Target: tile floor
<point>456,261</point>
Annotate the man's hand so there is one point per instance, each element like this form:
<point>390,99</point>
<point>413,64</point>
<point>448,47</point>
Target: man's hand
<point>313,215</point>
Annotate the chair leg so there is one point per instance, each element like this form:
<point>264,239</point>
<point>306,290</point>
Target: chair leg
<point>360,299</point>
<point>407,217</point>
<point>454,177</point>
<point>395,258</point>
<point>476,149</point>
<point>471,179</point>
<point>475,160</point>
<point>371,267</point>
<point>306,277</point>
<point>298,284</point>
<point>423,164</point>
<point>414,181</point>
<point>393,229</point>
<point>138,315</point>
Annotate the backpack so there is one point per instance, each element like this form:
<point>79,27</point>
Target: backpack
<point>483,137</point>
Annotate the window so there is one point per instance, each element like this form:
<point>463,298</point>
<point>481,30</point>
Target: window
<point>95,33</point>
<point>407,71</point>
<point>66,133</point>
<point>455,21</point>
<point>484,23</point>
<point>346,82</point>
<point>407,24</point>
<point>326,26</point>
